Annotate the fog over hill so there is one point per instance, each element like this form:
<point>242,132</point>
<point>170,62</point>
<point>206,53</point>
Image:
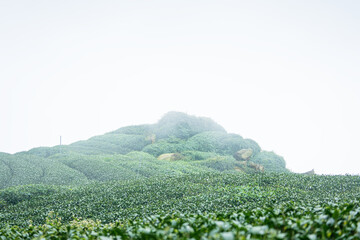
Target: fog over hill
<point>177,144</point>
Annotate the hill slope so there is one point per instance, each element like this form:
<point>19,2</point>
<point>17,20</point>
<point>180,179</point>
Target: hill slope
<point>175,145</point>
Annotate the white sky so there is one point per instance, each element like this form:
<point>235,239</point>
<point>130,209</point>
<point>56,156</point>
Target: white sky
<point>284,73</point>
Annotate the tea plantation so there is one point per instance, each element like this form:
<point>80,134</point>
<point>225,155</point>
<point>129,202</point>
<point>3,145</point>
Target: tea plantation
<point>206,205</point>
<point>182,178</point>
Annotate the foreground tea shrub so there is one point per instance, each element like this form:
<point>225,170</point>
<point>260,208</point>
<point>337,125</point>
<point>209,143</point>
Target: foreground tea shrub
<point>288,221</point>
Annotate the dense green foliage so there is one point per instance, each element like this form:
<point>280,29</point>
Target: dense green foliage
<point>333,221</point>
<point>110,144</point>
<point>270,161</point>
<point>170,145</point>
<point>191,193</point>
<point>181,125</point>
<point>29,169</point>
<point>221,143</point>
<point>213,205</point>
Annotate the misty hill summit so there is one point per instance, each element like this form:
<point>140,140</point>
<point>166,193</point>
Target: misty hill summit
<point>177,144</point>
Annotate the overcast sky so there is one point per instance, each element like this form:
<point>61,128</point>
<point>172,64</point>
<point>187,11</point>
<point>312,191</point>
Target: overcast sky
<point>284,73</point>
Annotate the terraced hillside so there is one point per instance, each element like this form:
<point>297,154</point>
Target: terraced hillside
<point>177,144</point>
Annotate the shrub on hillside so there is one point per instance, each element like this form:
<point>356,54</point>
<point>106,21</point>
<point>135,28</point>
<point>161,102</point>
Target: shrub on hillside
<point>20,168</point>
<point>271,161</point>
<point>181,125</point>
<point>5,174</point>
<point>170,145</point>
<point>220,142</point>
<point>140,156</point>
<point>14,195</point>
<point>171,157</point>
<point>143,129</point>
<point>110,144</point>
<point>46,151</point>
<point>197,155</point>
<point>99,167</point>
<point>219,163</point>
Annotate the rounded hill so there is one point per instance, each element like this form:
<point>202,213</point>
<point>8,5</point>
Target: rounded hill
<point>177,144</point>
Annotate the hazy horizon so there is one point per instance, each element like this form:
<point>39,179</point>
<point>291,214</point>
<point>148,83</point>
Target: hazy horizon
<point>285,74</point>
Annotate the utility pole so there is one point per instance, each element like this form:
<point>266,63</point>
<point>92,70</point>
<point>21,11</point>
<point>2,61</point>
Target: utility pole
<point>60,140</point>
